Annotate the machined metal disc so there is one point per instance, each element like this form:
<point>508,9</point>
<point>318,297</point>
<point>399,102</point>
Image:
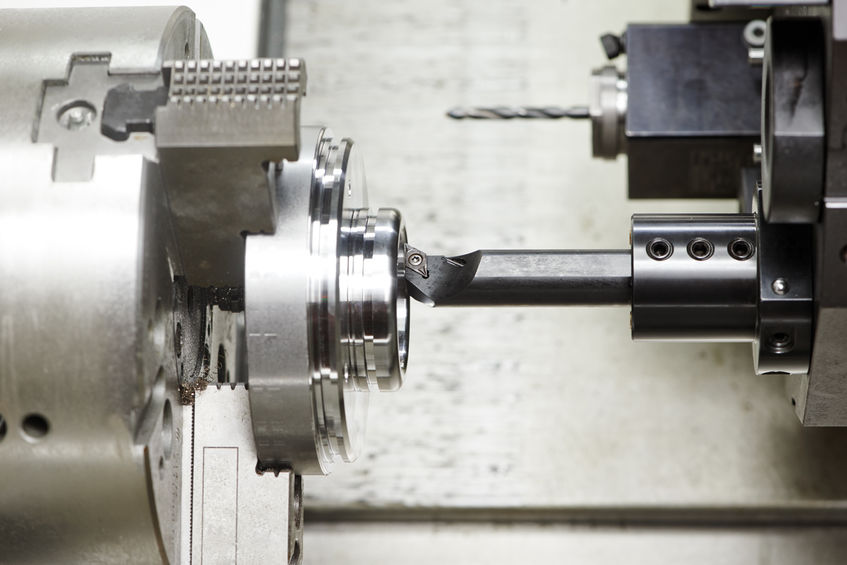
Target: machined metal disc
<point>340,409</point>
<point>326,310</point>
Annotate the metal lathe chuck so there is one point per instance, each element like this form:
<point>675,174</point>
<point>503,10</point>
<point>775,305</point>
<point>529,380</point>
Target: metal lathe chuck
<point>205,303</point>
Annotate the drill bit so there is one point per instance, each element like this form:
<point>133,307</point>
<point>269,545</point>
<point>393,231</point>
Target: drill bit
<point>524,112</point>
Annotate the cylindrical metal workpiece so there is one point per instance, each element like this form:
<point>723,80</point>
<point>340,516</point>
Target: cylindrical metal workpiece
<point>326,309</point>
<point>527,278</point>
<point>695,277</point>
<point>375,322</point>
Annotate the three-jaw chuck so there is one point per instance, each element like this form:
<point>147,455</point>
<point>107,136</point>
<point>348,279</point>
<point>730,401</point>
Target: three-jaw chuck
<point>204,308</point>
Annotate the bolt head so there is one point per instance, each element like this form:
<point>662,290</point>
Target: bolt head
<point>415,259</point>
<point>780,286</point>
<point>757,153</point>
<point>77,115</point>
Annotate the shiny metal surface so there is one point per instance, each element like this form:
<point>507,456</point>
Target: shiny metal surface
<point>525,278</point>
<point>77,144</point>
<point>237,514</point>
<point>222,123</point>
<point>699,291</point>
<point>86,312</point>
<point>786,295</point>
<point>276,273</point>
<point>312,361</point>
<point>106,347</point>
<point>608,112</point>
<point>793,121</point>
<point>375,324</point>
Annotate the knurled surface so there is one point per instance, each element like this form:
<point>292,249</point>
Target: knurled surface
<point>245,82</point>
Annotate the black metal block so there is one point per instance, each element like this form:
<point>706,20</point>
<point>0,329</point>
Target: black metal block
<point>693,111</point>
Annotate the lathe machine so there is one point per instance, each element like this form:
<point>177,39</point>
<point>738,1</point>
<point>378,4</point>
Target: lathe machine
<point>198,297</point>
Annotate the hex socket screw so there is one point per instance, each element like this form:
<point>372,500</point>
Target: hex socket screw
<point>700,249</point>
<point>659,249</point>
<point>740,249</point>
